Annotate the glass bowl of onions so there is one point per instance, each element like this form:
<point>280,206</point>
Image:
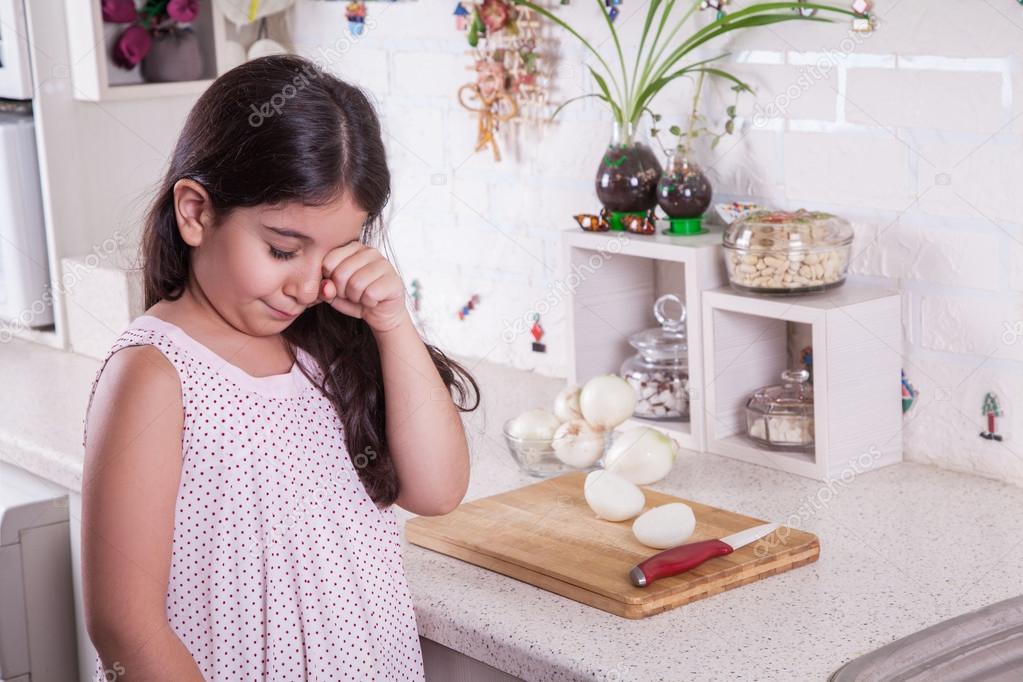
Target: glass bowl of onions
<point>535,456</point>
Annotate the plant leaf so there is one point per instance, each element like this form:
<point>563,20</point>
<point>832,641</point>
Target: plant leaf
<point>602,84</point>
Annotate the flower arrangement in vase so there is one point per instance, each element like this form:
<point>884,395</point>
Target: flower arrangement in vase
<point>629,173</point>
<point>159,36</point>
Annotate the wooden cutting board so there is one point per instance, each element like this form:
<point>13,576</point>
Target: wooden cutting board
<point>546,535</point>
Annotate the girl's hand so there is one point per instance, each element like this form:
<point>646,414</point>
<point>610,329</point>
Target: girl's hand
<point>359,282</point>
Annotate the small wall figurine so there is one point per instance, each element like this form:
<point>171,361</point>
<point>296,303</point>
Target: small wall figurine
<point>537,331</point>
<point>417,294</point>
<point>355,13</point>
<point>461,17</point>
<point>909,393</point>
<point>469,307</point>
<point>991,409</point>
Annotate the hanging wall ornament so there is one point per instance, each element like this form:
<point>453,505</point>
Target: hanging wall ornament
<point>462,17</point>
<point>612,8</point>
<point>806,11</point>
<point>717,5</point>
<point>537,331</point>
<point>909,393</point>
<point>355,13</point>
<point>866,22</point>
<point>468,307</point>
<point>991,410</point>
<point>417,294</point>
<point>511,71</point>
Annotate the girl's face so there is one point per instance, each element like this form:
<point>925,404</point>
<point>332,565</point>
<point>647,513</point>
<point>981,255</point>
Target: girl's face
<point>262,261</point>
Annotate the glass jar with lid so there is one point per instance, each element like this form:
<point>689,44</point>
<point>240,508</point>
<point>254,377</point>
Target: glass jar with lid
<point>787,252</point>
<point>780,417</point>
<point>659,372</point>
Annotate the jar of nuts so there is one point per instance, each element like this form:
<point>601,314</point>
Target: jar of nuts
<point>659,372</point>
<point>780,417</point>
<point>787,252</point>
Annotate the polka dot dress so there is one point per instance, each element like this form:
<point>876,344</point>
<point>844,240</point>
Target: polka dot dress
<point>282,568</point>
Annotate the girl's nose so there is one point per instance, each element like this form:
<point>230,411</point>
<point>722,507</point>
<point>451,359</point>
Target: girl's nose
<point>306,290</point>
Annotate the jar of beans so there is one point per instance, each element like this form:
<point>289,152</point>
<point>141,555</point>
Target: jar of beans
<point>659,371</point>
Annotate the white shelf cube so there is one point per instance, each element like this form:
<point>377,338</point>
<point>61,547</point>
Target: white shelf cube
<point>857,357</point>
<point>617,277</point>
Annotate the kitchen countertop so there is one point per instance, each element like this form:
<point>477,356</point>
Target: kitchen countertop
<point>902,548</point>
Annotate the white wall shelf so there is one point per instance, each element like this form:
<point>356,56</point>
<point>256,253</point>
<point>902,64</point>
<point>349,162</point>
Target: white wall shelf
<point>857,356</point>
<point>94,76</point>
<point>620,275</point>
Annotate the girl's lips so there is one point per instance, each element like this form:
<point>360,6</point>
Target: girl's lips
<point>280,314</point>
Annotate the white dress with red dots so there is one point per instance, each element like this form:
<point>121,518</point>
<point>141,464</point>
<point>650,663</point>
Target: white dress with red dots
<point>282,567</point>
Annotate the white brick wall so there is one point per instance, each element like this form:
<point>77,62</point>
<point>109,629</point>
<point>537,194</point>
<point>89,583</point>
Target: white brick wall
<point>914,132</point>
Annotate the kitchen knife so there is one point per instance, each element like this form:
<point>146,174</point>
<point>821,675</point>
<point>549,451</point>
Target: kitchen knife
<point>684,557</point>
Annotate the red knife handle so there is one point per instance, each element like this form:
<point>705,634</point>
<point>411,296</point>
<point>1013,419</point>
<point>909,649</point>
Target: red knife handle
<point>677,560</point>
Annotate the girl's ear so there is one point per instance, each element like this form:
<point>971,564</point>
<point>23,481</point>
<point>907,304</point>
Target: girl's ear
<point>191,208</point>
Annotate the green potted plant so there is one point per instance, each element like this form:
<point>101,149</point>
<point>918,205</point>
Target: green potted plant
<point>684,192</point>
<point>629,172</point>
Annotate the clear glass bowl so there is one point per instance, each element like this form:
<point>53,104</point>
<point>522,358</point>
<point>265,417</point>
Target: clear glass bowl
<point>537,458</point>
<point>782,252</point>
<point>780,417</point>
<point>659,372</point>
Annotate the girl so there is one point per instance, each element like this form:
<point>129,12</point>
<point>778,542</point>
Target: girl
<point>247,435</point>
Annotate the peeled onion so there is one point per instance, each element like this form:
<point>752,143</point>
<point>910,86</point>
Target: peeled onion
<point>668,525</point>
<point>611,497</point>
<point>607,401</point>
<point>578,444</point>
<point>641,455</point>
<point>566,404</point>
<point>534,425</point>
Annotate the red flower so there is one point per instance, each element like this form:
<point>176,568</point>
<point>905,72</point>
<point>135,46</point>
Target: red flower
<point>183,10</point>
<point>119,11</point>
<point>494,14</point>
<point>131,47</point>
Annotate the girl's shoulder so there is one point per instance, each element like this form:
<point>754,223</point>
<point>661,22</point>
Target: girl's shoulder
<point>141,362</point>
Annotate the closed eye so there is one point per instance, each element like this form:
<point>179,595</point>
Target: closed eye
<point>281,255</point>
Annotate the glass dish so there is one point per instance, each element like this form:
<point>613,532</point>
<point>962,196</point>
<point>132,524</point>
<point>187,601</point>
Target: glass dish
<point>781,252</point>
<point>780,417</point>
<point>536,456</point>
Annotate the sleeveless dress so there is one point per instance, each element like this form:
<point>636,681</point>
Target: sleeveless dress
<point>282,566</point>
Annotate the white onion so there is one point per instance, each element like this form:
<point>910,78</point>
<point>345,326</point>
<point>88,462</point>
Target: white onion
<point>612,497</point>
<point>566,404</point>
<point>578,444</point>
<point>534,425</point>
<point>668,525</point>
<point>642,455</point>
<point>607,401</point>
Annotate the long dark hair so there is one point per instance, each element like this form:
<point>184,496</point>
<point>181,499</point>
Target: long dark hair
<point>280,129</point>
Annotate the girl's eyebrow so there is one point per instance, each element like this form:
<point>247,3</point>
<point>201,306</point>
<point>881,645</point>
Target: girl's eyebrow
<point>285,232</point>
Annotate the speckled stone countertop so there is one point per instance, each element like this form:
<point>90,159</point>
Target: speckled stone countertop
<point>901,549</point>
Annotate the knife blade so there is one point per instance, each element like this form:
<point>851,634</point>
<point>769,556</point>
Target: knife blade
<point>685,557</point>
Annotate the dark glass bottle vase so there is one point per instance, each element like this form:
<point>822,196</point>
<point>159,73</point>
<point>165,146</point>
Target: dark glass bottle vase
<point>627,178</point>
<point>684,193</point>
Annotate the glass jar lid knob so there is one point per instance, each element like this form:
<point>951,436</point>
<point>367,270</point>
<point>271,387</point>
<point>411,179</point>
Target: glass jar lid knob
<point>795,376</point>
<point>673,324</point>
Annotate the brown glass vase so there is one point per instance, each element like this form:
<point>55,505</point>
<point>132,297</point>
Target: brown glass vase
<point>627,177</point>
<point>684,193</point>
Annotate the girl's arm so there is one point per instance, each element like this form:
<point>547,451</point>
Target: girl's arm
<point>424,430</point>
<point>131,476</point>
